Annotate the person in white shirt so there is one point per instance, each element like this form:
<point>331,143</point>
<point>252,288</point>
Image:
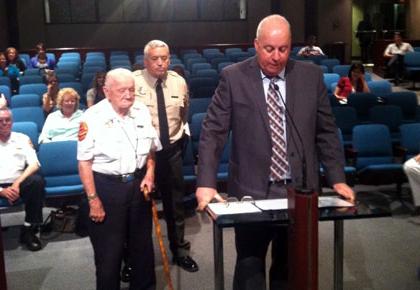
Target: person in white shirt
<point>63,124</point>
<point>412,170</point>
<point>394,53</point>
<point>310,49</point>
<point>18,179</point>
<point>116,162</point>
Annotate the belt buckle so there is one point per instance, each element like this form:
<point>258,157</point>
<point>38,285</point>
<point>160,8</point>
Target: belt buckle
<point>126,177</point>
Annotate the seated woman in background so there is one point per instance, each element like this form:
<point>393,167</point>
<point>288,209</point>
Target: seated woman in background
<point>354,83</point>
<point>49,99</point>
<point>63,124</point>
<point>3,64</point>
<point>15,67</point>
<point>96,93</point>
<point>41,60</point>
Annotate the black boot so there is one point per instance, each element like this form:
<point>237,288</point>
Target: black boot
<point>29,238</point>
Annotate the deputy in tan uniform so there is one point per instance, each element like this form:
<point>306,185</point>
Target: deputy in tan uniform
<point>165,93</point>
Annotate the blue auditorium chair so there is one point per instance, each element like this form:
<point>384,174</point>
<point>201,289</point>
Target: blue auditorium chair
<point>345,119</point>
<point>362,102</point>
<point>238,55</point>
<point>26,59</point>
<point>5,90</point>
<point>199,66</point>
<point>31,79</point>
<point>202,87</point>
<point>412,65</point>
<point>77,86</point>
<point>87,81</point>
<point>330,78</point>
<point>222,65</point>
<point>196,123</point>
<point>330,63</point>
<point>190,61</point>
<point>215,61</point>
<point>118,52</point>
<point>213,55</point>
<point>70,55</point>
<point>410,139</point>
<point>324,68</point>
<point>26,100</point>
<point>207,51</point>
<point>390,116</point>
<point>342,70</point>
<point>61,174</point>
<point>381,88</point>
<point>28,128</point>
<point>29,114</point>
<point>93,68</point>
<point>4,81</point>
<point>375,160</point>
<point>251,51</point>
<point>65,77</point>
<point>231,50</point>
<point>188,164</point>
<point>38,89</point>
<point>407,101</point>
<point>198,105</point>
<point>32,71</point>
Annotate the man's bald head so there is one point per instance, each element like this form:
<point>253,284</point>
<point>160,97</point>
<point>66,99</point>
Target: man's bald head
<point>272,44</point>
<point>269,22</point>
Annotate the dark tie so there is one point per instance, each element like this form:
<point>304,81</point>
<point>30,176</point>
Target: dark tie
<point>163,120</point>
<point>279,166</point>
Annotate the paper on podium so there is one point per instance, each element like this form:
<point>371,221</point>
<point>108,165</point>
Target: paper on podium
<point>236,207</point>
<point>281,203</point>
<point>333,201</point>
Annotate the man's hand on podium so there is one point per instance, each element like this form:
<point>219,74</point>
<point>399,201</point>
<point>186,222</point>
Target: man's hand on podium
<point>345,191</point>
<point>205,195</point>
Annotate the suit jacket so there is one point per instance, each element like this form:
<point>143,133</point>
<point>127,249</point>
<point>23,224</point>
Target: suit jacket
<point>239,106</point>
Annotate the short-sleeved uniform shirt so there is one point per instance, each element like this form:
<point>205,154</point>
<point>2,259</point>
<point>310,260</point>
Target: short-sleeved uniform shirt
<point>15,155</point>
<point>116,145</point>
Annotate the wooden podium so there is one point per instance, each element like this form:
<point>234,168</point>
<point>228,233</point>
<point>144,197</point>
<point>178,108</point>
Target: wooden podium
<point>303,240</point>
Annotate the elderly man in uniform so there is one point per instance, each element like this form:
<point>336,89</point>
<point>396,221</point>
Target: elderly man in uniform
<point>18,178</point>
<point>165,93</point>
<point>116,162</point>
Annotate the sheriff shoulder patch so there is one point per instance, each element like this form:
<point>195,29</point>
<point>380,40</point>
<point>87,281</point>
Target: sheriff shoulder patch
<point>83,129</point>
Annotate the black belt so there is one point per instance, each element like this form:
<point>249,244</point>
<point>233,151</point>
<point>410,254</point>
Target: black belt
<point>280,182</point>
<point>124,178</point>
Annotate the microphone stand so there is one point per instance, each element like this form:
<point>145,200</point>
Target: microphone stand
<point>303,226</point>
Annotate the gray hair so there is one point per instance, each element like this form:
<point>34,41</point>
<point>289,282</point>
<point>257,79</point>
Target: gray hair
<point>117,73</point>
<point>273,17</point>
<point>153,44</point>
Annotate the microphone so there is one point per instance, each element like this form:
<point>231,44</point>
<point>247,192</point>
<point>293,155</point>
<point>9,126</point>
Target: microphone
<point>304,189</point>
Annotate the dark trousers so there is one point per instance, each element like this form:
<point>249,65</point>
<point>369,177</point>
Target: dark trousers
<point>128,218</point>
<point>251,246</point>
<point>396,65</point>
<point>32,192</point>
<point>170,183</point>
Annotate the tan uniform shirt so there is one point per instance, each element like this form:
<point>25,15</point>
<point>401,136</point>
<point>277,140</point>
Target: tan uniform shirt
<point>175,91</point>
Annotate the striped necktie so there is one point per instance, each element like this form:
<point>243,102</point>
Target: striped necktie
<point>276,116</point>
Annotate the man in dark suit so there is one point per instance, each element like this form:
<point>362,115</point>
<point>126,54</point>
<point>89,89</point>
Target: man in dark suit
<point>265,159</point>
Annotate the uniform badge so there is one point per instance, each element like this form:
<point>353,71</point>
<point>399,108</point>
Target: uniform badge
<point>141,92</point>
<point>83,129</point>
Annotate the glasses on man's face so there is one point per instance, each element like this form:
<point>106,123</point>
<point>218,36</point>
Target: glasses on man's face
<point>5,121</point>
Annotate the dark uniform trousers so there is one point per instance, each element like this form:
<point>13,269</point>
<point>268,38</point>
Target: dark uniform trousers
<point>128,218</point>
<point>251,246</point>
<point>170,183</point>
<point>32,192</point>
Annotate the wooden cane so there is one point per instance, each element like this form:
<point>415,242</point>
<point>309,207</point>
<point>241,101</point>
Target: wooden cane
<point>160,239</point>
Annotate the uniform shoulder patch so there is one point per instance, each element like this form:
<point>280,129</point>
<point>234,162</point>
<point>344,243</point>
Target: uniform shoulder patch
<point>83,130</point>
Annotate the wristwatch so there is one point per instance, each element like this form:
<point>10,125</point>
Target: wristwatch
<point>91,196</point>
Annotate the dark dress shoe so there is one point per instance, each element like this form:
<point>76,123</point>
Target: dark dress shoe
<point>126,273</point>
<point>29,238</point>
<point>186,263</point>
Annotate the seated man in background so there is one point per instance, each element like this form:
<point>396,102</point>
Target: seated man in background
<point>63,124</point>
<point>310,49</point>
<point>18,166</point>
<point>412,170</point>
<point>394,53</point>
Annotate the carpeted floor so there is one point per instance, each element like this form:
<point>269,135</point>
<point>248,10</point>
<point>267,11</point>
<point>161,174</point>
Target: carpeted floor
<point>380,254</point>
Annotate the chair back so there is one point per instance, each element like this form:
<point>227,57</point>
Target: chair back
<point>61,174</point>
<point>410,138</point>
<point>30,129</point>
